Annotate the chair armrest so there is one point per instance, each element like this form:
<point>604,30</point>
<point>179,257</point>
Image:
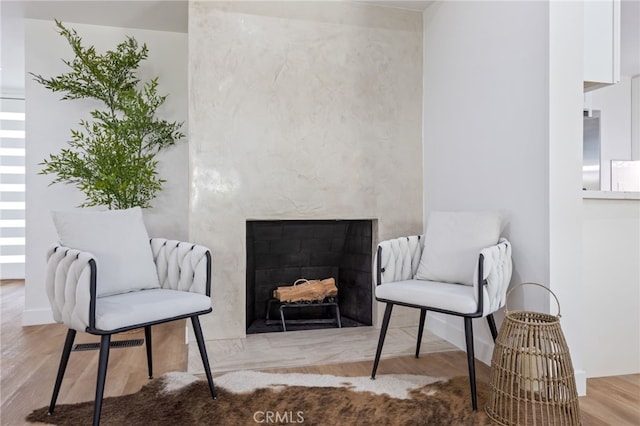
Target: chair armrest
<point>397,259</point>
<point>69,278</point>
<point>182,266</point>
<point>496,270</point>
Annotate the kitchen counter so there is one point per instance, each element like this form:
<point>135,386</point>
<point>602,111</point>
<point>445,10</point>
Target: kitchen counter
<point>611,195</point>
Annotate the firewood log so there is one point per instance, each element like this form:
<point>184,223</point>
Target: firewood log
<point>307,291</point>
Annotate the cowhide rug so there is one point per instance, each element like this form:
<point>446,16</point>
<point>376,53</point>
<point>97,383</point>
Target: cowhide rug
<point>250,398</point>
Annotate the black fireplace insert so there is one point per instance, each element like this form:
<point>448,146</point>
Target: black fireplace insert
<point>280,252</point>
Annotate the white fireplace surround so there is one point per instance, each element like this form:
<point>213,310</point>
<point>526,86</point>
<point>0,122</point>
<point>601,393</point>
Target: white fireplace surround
<point>313,112</point>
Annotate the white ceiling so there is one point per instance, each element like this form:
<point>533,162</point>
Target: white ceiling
<point>162,15</point>
<point>165,15</point>
<point>401,4</point>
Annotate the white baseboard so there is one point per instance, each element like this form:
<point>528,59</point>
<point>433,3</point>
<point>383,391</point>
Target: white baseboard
<point>581,382</point>
<point>483,349</point>
<point>37,317</point>
<point>454,334</point>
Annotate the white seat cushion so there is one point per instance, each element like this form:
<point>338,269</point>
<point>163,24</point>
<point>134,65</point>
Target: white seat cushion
<point>451,297</point>
<point>140,307</point>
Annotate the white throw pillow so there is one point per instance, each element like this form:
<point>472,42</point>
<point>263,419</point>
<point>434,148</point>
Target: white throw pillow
<point>452,245</point>
<point>120,243</point>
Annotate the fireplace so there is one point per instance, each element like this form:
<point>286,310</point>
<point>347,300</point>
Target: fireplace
<point>281,251</point>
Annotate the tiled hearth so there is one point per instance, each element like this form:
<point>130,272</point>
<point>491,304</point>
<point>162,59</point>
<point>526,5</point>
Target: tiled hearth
<point>311,347</point>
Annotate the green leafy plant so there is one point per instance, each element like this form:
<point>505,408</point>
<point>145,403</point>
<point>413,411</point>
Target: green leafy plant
<point>111,158</point>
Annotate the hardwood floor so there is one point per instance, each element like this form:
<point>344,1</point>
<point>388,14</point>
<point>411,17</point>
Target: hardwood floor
<point>29,360</point>
<point>30,356</point>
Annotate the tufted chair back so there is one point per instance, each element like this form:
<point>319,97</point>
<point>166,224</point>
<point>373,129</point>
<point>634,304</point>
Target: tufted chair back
<point>398,260</point>
<point>181,266</point>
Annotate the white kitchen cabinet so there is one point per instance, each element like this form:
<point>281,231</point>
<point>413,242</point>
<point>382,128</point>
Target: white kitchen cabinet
<point>601,43</point>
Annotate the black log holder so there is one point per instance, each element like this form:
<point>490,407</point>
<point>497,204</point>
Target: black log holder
<point>329,301</point>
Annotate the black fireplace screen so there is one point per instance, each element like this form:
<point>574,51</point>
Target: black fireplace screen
<point>280,252</point>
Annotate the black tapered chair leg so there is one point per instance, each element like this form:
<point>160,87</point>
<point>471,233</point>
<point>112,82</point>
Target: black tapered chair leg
<point>195,321</point>
<point>64,359</point>
<point>147,342</point>
<point>492,326</point>
<point>468,332</point>
<point>423,316</point>
<point>103,361</point>
<point>383,333</point>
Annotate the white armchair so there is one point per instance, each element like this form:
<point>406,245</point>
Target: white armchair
<point>460,268</point>
<point>144,282</point>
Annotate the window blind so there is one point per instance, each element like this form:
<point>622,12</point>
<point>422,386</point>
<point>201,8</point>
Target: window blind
<point>12,188</point>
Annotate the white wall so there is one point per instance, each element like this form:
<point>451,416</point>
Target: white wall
<point>485,126</point>
<point>565,174</point>
<point>49,121</point>
<point>11,53</point>
<point>492,139</point>
<point>611,289</point>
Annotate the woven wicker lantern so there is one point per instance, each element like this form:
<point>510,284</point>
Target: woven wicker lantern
<point>532,378</point>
